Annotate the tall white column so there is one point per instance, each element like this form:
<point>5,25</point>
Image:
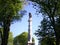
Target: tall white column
<point>30,28</point>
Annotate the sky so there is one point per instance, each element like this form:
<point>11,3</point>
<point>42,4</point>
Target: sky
<point>22,26</point>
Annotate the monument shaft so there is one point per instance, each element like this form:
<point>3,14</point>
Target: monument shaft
<point>30,29</point>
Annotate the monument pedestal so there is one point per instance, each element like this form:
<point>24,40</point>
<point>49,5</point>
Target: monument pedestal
<point>30,43</point>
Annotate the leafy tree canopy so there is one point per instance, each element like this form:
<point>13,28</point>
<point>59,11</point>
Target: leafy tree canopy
<point>22,39</point>
<point>9,8</point>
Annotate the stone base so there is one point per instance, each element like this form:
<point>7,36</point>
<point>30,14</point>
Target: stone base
<point>30,43</point>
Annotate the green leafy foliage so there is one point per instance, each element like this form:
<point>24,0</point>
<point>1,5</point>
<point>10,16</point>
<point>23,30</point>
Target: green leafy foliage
<point>9,8</point>
<point>45,33</point>
<point>48,6</point>
<point>10,39</point>
<point>22,39</point>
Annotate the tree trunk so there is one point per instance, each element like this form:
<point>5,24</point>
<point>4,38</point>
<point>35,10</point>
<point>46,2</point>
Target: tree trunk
<point>6,29</point>
<point>57,38</point>
<point>56,33</point>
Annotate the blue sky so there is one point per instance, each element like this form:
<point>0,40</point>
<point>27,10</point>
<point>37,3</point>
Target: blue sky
<point>22,26</point>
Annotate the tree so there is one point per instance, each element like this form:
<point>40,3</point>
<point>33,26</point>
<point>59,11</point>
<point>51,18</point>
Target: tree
<point>8,13</point>
<point>1,35</point>
<point>10,38</point>
<point>21,39</point>
<point>45,33</point>
<point>51,8</point>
